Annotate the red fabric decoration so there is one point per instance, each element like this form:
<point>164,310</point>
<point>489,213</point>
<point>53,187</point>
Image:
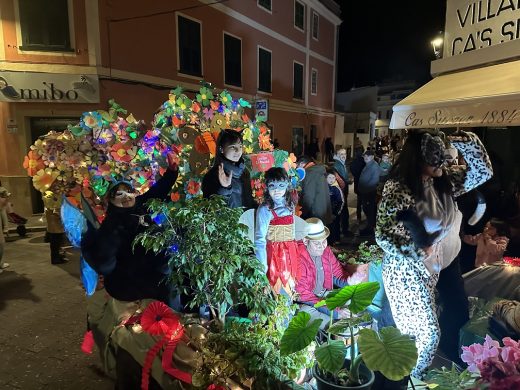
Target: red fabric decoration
<point>159,319</point>
<point>88,342</point>
<point>215,387</point>
<point>512,260</point>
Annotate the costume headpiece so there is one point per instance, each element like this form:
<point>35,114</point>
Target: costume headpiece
<point>433,150</point>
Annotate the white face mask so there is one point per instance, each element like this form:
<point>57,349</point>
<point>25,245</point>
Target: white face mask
<point>123,198</point>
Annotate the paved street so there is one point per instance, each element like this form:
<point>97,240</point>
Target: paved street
<point>42,312</point>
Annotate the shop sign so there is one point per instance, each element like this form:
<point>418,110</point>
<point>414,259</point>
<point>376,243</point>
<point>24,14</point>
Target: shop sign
<point>478,24</point>
<point>48,87</point>
<point>262,110</point>
<point>482,115</point>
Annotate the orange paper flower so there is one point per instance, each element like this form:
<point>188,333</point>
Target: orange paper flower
<point>44,179</point>
<point>175,196</point>
<point>195,107</point>
<point>264,142</point>
<point>33,163</point>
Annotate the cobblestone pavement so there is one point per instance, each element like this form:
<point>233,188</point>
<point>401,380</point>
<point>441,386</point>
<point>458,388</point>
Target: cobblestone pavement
<point>43,319</point>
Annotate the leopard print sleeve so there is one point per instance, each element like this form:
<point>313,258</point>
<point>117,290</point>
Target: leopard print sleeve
<point>391,235</point>
<point>478,170</point>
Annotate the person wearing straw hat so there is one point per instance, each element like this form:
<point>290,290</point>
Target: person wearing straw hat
<point>320,271</point>
<point>4,200</point>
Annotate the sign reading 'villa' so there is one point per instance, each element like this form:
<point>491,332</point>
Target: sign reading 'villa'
<point>48,87</point>
<point>477,24</point>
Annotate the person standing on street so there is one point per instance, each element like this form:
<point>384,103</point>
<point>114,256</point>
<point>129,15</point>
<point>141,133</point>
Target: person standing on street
<point>314,197</point>
<point>340,165</point>
<point>55,229</point>
<point>356,166</point>
<point>4,200</point>
<point>367,188</point>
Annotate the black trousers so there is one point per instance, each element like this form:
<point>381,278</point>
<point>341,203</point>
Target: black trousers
<point>55,242</point>
<point>454,309</point>
<point>368,201</point>
<point>344,216</point>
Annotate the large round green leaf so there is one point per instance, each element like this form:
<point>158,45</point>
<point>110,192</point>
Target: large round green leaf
<point>331,356</point>
<point>359,295</point>
<point>299,333</point>
<point>390,352</point>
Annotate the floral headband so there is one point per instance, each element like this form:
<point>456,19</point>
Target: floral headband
<point>433,150</point>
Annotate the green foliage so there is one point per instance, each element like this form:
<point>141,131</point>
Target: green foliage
<point>210,256</point>
<point>453,379</point>
<point>245,351</point>
<point>359,296</point>
<point>389,352</point>
<point>364,254</point>
<point>300,333</point>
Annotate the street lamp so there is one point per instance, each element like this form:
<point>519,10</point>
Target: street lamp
<point>437,43</point>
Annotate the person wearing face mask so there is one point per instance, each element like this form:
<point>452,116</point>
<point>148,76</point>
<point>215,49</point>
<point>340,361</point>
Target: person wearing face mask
<point>229,176</point>
<point>275,245</point>
<point>320,272</point>
<point>130,273</point>
<point>419,183</point>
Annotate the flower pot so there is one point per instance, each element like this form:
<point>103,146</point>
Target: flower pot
<point>383,383</point>
<point>364,373</point>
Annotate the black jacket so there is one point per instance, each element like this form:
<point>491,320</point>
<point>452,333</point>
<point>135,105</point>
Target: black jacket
<point>239,193</point>
<point>129,274</point>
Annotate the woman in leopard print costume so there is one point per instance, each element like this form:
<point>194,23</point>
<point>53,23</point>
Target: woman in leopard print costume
<point>419,182</point>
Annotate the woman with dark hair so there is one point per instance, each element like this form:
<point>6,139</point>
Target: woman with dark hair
<point>130,272</point>
<point>229,176</point>
<point>275,245</point>
<point>420,185</point>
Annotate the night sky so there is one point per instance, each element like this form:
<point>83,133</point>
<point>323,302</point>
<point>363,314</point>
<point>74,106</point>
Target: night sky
<point>382,40</point>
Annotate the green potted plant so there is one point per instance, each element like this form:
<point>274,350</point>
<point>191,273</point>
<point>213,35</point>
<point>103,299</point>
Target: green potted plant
<point>211,259</point>
<point>249,353</point>
<point>387,351</point>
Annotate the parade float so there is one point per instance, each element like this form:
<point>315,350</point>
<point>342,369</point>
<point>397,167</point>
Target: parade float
<point>176,350</point>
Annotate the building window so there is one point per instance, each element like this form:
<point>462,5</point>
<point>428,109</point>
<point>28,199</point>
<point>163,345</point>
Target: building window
<point>264,70</point>
<point>315,25</point>
<point>297,80</point>
<point>265,4</point>
<point>299,14</point>
<point>189,44</point>
<point>232,60</point>
<point>314,82</point>
<point>45,25</point>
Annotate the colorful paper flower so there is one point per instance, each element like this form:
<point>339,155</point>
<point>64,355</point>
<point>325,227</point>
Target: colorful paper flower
<point>264,142</point>
<point>208,113</point>
<point>33,162</point>
<point>193,188</point>
<point>215,105</point>
<point>204,96</point>
<point>44,178</point>
<point>91,120</point>
<point>247,135</point>
<point>158,319</point>
<point>226,98</point>
<point>183,103</point>
<point>123,152</point>
<point>175,196</point>
<point>248,149</point>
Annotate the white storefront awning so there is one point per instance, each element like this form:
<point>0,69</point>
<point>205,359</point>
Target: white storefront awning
<point>488,96</point>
